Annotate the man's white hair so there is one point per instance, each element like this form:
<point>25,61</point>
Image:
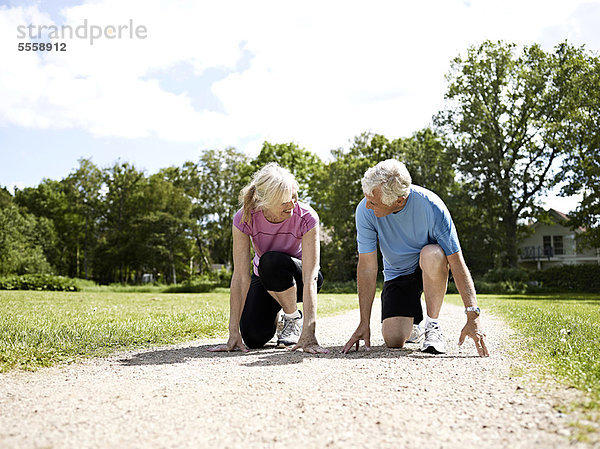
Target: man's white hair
<point>391,176</point>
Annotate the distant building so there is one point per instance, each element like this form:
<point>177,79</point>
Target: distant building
<point>554,244</point>
<point>147,278</point>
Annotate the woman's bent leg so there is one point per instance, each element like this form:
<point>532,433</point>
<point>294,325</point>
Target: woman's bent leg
<point>257,324</point>
<point>279,272</point>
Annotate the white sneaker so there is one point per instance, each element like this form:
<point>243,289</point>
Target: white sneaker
<point>416,334</point>
<point>434,340</point>
<point>290,330</point>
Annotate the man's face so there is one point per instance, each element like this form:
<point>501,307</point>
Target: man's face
<point>381,210</point>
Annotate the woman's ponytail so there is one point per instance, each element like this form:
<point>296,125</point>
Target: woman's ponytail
<point>248,199</point>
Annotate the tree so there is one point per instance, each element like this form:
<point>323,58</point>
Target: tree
<point>509,122</point>
<point>118,250</point>
<point>213,185</point>
<point>21,242</point>
<point>83,192</point>
<point>5,197</point>
<point>584,162</point>
<point>49,200</point>
<point>162,230</point>
<point>223,173</point>
<point>303,164</point>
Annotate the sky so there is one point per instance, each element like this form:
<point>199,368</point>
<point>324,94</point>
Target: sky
<point>170,78</point>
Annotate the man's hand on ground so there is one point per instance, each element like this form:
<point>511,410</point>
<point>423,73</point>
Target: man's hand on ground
<point>473,330</point>
<point>362,332</point>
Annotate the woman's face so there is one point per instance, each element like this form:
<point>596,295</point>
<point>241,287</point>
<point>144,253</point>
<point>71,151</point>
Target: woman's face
<point>283,211</point>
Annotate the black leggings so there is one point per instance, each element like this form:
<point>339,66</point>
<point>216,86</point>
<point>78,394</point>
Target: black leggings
<point>278,272</point>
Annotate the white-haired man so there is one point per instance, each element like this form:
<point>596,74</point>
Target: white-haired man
<point>419,244</point>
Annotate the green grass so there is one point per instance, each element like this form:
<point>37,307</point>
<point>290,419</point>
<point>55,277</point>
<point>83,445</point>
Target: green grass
<point>561,333</point>
<point>39,329</point>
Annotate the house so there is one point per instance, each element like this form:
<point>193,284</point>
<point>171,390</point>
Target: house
<point>554,244</point>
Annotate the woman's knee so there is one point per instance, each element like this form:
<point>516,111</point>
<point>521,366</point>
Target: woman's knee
<point>255,339</point>
<point>277,270</point>
<point>273,262</point>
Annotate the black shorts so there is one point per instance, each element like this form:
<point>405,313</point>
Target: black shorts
<point>401,296</point>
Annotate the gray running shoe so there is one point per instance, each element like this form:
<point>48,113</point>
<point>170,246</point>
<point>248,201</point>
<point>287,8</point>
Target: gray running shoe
<point>434,340</point>
<point>290,330</point>
<point>416,334</point>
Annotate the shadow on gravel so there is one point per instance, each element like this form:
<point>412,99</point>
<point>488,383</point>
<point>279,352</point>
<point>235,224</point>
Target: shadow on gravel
<point>289,358</point>
<point>271,355</point>
<point>179,355</point>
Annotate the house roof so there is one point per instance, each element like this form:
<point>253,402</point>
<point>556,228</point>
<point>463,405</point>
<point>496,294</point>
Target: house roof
<point>558,214</point>
<point>555,215</point>
<point>563,218</point>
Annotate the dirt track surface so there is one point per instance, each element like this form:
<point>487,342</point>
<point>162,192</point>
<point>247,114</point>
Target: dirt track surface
<point>185,397</point>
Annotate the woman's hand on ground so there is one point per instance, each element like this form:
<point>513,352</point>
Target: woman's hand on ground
<point>233,344</point>
<point>310,345</point>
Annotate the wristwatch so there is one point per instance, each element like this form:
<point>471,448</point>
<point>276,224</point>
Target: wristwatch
<point>473,309</point>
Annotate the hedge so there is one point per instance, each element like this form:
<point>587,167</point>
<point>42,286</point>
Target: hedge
<point>38,282</point>
<point>583,278</point>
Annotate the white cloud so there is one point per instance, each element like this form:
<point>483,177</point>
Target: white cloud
<point>321,72</point>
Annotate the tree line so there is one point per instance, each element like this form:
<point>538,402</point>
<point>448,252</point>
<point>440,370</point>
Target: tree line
<point>517,122</point>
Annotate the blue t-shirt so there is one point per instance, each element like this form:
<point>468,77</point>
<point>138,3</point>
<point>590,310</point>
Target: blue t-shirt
<point>424,219</point>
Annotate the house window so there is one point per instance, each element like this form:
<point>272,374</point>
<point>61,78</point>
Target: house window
<point>548,246</point>
<point>557,241</point>
<point>547,241</point>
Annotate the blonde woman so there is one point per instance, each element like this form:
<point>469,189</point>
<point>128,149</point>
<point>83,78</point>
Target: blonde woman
<point>285,270</point>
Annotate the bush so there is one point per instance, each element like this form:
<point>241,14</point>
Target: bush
<point>563,279</point>
<point>204,283</point>
<point>506,275</point>
<point>569,278</point>
<point>82,284</point>
<point>222,277</point>
<point>494,288</point>
<point>195,285</point>
<point>46,282</point>
<point>344,286</point>
<point>338,287</point>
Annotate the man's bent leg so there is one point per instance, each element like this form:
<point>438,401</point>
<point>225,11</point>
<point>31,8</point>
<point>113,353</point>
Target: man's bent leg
<point>434,264</point>
<point>396,330</point>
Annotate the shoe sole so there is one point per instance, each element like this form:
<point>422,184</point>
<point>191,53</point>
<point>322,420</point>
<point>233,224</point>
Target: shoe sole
<point>432,350</point>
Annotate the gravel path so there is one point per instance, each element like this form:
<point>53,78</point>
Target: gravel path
<point>185,397</point>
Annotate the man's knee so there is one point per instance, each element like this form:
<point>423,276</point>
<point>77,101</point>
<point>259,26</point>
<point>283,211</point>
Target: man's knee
<point>396,330</point>
<point>394,341</point>
<point>433,258</point>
